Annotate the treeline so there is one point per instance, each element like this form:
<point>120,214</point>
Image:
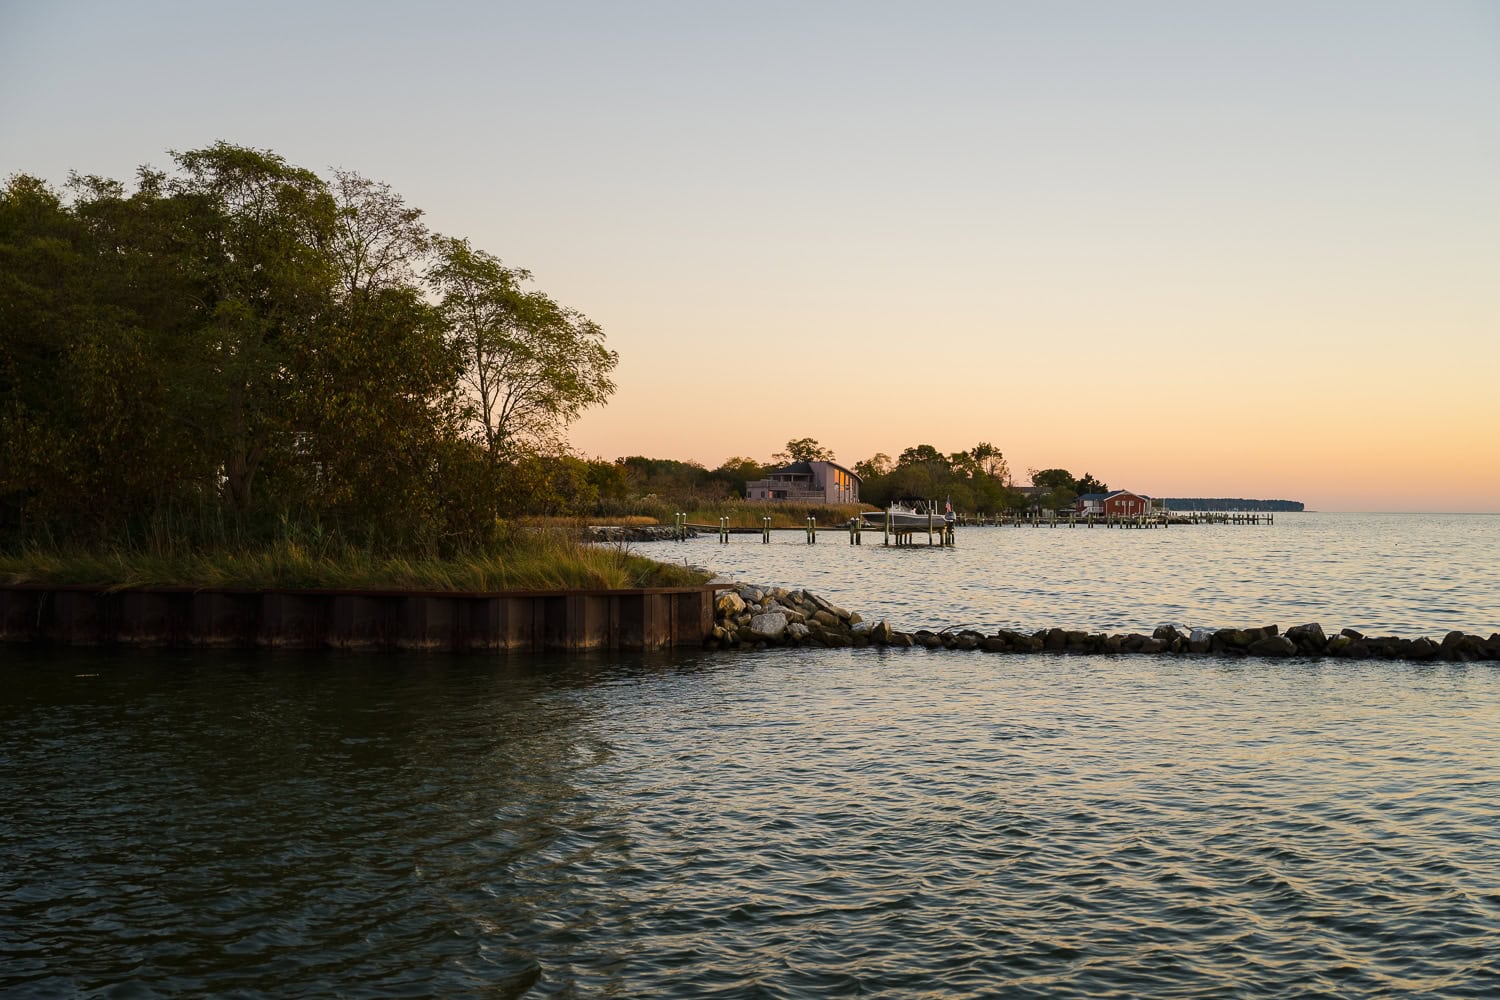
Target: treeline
<point>978,479</point>
<point>237,349</point>
<point>974,480</point>
<point>1230,503</point>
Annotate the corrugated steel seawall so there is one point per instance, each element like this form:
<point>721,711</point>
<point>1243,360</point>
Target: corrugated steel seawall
<point>521,621</point>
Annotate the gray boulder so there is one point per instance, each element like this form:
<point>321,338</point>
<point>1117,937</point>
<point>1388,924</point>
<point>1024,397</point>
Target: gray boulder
<point>768,627</point>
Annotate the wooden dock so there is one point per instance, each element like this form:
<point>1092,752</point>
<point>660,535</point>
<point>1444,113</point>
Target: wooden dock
<point>940,533</point>
<point>1159,519</point>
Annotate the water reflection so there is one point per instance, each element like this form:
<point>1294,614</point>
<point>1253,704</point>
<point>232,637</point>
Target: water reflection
<point>770,823</point>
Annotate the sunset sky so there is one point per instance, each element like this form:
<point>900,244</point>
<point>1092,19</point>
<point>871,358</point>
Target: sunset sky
<point>1195,249</point>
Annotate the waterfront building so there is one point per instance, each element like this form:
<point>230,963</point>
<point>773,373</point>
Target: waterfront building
<point>807,482</point>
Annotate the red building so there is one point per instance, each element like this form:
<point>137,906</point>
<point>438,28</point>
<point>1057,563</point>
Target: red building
<point>1116,503</point>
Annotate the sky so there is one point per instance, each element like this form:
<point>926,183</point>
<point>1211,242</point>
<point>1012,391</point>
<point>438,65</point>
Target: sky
<point>1194,249</point>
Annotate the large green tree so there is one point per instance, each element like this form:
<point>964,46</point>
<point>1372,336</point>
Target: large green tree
<point>261,249</point>
<point>531,366</point>
<point>802,450</point>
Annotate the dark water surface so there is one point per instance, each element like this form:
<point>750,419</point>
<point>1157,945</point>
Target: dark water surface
<point>813,823</point>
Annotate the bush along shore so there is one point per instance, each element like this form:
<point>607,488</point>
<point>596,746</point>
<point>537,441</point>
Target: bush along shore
<point>748,616</point>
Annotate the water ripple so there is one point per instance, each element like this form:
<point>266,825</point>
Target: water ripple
<point>778,824</point>
<point>1392,574</point>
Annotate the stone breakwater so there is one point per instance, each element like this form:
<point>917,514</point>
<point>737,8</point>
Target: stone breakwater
<point>747,616</point>
<point>646,533</point>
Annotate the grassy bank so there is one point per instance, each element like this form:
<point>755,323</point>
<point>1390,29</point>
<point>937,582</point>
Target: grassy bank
<point>528,560</point>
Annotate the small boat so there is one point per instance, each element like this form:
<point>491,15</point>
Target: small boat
<point>911,514</point>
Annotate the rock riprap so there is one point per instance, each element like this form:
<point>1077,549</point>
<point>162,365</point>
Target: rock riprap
<point>747,616</point>
<point>634,533</point>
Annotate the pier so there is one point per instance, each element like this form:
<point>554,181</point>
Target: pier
<point>1157,519</point>
<point>941,533</point>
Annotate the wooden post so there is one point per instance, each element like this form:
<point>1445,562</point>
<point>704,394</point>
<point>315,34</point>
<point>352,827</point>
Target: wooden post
<point>765,531</point>
<point>887,525</point>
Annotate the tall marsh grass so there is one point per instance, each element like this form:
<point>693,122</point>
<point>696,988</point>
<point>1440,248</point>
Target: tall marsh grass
<point>539,558</point>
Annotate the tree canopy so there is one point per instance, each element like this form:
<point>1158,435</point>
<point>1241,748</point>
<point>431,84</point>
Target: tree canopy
<point>238,345</point>
<point>803,450</point>
<point>975,480</point>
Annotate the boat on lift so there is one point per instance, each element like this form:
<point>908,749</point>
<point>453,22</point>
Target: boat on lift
<point>908,513</point>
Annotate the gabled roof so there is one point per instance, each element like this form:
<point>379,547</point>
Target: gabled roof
<point>1102,497</point>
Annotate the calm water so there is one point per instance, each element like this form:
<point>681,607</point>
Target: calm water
<point>1391,574</point>
<point>783,824</point>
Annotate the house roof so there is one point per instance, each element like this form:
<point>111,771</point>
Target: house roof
<point>1113,493</point>
<point>806,469</point>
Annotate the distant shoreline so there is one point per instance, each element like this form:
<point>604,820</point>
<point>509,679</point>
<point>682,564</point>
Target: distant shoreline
<point>1231,504</point>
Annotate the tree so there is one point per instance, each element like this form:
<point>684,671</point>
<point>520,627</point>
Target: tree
<point>102,306</point>
<point>734,473</point>
<point>1088,484</point>
<point>1061,487</point>
<point>259,241</point>
<point>531,366</point>
<point>922,454</point>
<point>1053,479</point>
<point>802,450</point>
<point>377,237</point>
<point>372,402</point>
<point>991,462</point>
<point>920,471</point>
<point>874,467</point>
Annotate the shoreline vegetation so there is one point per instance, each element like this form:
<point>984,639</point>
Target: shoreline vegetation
<point>540,558</point>
<point>541,553</point>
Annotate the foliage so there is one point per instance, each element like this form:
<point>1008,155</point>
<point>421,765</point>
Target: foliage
<point>236,348</point>
<point>974,480</point>
<point>873,467</point>
<point>1061,489</point>
<point>802,450</point>
<point>524,560</point>
<point>532,365</point>
<point>1088,484</point>
<point>1053,479</point>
